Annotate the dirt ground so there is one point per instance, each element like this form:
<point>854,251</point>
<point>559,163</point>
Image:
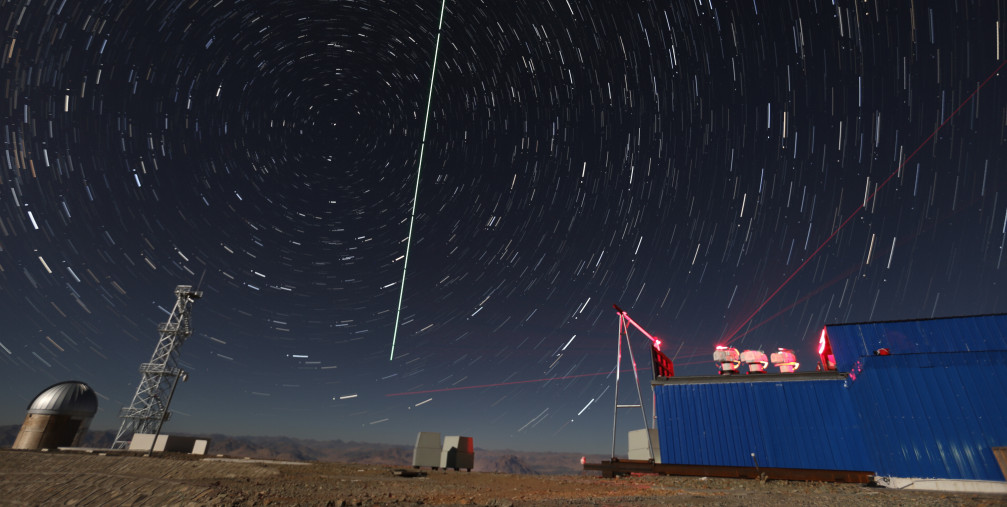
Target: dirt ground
<point>60,478</point>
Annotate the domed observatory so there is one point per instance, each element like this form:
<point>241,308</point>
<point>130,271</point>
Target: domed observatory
<point>58,417</point>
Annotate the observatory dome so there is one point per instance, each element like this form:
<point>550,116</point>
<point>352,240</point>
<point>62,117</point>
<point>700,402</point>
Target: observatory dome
<point>66,398</point>
<point>58,416</point>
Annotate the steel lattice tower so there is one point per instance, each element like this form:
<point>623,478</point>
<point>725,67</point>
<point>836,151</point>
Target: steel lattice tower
<point>149,408</point>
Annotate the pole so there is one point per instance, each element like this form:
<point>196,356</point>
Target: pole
<point>618,365</point>
<point>164,415</point>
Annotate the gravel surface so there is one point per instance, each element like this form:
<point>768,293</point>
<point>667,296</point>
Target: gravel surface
<point>41,478</point>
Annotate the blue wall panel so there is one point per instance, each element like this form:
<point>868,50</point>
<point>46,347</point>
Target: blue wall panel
<point>958,334</point>
<point>933,415</point>
<point>789,424</point>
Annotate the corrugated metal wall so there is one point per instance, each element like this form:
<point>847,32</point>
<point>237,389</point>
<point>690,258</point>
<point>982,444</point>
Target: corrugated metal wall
<point>933,415</point>
<point>787,424</point>
<point>957,334</point>
<point>934,408</point>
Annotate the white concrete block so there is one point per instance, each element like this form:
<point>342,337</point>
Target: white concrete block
<point>948,485</point>
<point>168,443</point>
<point>200,446</point>
<point>638,448</point>
<point>142,441</point>
<point>427,451</point>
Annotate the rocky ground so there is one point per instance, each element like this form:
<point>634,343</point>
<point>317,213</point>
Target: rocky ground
<point>60,478</point>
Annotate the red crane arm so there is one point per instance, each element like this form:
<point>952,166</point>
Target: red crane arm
<point>654,339</point>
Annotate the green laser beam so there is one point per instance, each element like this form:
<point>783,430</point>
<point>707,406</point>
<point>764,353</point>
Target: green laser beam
<point>419,169</point>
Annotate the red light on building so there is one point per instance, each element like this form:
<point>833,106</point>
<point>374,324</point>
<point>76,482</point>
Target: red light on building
<point>828,360</point>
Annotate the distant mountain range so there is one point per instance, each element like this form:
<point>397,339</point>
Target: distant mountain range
<point>296,449</point>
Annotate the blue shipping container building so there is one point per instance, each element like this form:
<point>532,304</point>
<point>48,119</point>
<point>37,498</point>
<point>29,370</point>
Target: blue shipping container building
<point>929,406</point>
<point>780,421</point>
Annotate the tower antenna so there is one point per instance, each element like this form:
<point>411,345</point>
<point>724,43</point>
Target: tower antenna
<point>149,408</point>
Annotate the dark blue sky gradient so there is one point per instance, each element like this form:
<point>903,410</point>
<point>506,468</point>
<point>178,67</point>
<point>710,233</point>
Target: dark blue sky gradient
<point>679,159</point>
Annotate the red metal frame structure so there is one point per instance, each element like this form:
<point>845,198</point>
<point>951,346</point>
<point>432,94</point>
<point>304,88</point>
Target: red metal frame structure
<point>662,366</point>
<point>624,318</point>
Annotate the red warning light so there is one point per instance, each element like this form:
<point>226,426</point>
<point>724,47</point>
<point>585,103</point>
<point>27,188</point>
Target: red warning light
<point>828,360</point>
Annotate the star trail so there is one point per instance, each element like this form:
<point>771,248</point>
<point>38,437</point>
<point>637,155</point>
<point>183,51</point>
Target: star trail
<point>740,172</point>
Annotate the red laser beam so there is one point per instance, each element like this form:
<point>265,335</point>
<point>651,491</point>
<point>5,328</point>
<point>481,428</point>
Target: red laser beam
<point>446,389</point>
<point>830,283</point>
<point>806,297</point>
<point>861,207</point>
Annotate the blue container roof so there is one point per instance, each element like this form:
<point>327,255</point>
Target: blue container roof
<point>951,334</point>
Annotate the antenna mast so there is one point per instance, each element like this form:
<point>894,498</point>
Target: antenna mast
<point>149,408</point>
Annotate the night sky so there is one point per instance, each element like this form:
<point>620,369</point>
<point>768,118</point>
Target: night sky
<point>729,172</point>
